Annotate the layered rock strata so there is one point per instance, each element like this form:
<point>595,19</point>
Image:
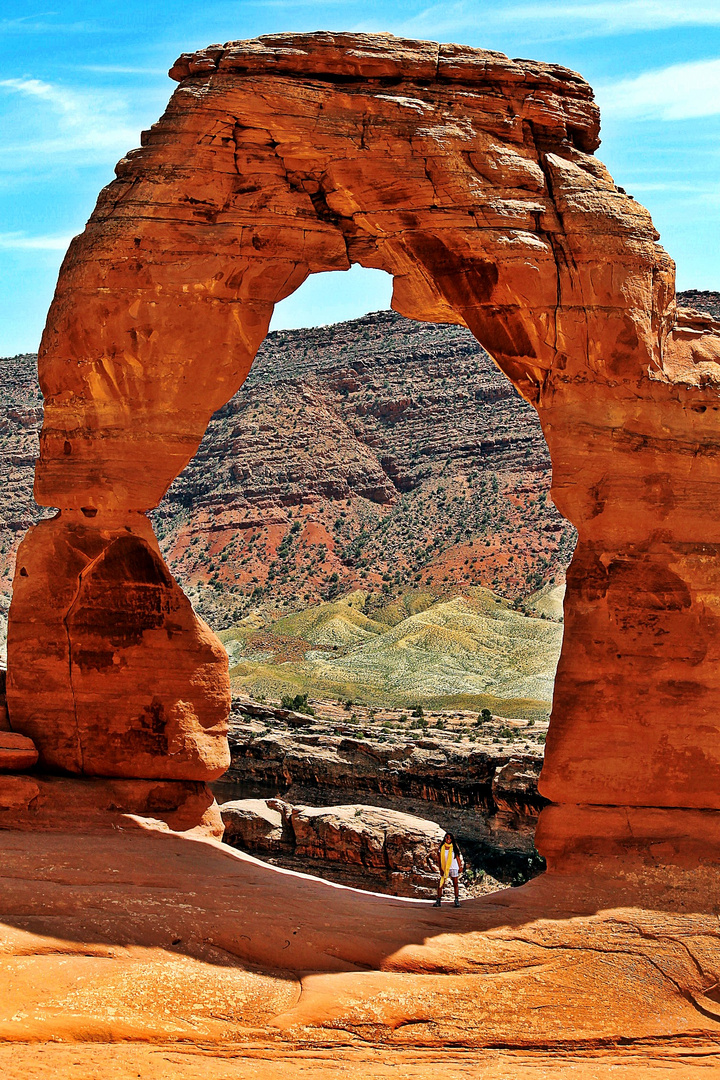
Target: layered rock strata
<point>36,802</point>
<point>472,180</point>
<point>487,797</point>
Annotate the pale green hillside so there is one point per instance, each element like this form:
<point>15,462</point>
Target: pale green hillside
<point>470,651</point>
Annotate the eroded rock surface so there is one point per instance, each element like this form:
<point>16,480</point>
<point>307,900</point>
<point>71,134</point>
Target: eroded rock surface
<point>471,178</point>
<point>485,795</point>
<point>17,752</point>
<point>153,953</point>
<point>119,677</point>
<point>372,847</point>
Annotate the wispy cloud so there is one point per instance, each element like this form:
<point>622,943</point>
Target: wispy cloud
<point>20,242</point>
<point>45,122</point>
<point>547,20</point>
<point>44,23</point>
<point>120,69</point>
<point>677,92</point>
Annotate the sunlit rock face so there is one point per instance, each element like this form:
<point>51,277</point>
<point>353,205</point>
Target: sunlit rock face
<point>471,179</point>
<point>118,677</point>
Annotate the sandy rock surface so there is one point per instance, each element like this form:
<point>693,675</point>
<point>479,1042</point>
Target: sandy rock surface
<point>17,752</point>
<point>149,938</point>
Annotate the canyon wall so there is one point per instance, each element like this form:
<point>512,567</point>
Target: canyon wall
<point>471,179</point>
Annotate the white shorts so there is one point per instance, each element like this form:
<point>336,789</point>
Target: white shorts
<point>454,873</point>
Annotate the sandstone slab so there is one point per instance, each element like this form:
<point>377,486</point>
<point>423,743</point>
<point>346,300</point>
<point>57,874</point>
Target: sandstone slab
<point>17,752</point>
<point>42,803</point>
<point>152,936</point>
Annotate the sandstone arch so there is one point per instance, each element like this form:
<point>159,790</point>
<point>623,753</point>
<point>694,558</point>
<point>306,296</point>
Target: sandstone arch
<point>472,180</point>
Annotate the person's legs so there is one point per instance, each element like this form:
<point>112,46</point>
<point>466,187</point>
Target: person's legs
<point>456,887</point>
<point>439,893</point>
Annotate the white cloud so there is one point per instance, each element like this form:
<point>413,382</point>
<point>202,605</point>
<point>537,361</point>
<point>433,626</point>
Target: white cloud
<point>678,92</point>
<point>38,24</point>
<point>547,20</point>
<point>43,122</point>
<point>18,241</point>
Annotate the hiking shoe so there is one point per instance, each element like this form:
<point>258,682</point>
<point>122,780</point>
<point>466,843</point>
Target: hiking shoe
<point>457,902</point>
<point>436,904</point>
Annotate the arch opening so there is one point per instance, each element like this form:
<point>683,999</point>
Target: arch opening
<point>331,297</point>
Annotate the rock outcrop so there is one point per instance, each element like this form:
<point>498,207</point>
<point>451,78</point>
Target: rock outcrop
<point>472,180</point>
<point>372,847</point>
<point>17,752</point>
<point>120,678</point>
<point>485,795</point>
<point>38,802</point>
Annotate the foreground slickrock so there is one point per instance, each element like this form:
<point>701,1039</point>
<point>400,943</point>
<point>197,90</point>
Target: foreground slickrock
<point>192,960</point>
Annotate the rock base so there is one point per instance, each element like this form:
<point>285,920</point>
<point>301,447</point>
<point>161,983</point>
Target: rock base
<point>17,752</point>
<point>150,937</point>
<point>63,804</point>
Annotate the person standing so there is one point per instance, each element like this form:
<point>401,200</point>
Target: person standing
<point>451,866</point>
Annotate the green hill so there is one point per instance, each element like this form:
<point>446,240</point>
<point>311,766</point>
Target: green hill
<point>471,651</point>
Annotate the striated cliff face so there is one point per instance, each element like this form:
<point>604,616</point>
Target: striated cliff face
<point>485,794</point>
<point>375,454</point>
<point>383,450</point>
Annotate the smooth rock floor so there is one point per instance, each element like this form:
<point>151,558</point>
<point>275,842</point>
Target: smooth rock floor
<point>142,952</point>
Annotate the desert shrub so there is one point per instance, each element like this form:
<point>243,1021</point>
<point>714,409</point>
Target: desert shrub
<point>418,712</point>
<point>484,717</point>
<point>299,703</point>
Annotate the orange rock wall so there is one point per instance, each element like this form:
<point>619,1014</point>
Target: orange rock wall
<point>471,179</point>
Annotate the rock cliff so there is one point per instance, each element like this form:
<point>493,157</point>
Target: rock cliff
<point>485,794</point>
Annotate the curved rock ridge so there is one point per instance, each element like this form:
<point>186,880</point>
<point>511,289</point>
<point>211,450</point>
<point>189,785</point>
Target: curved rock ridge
<point>470,178</point>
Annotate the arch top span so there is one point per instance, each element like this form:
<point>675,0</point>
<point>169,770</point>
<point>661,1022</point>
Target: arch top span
<point>467,176</point>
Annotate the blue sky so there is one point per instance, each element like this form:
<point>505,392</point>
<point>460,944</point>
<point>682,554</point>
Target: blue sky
<point>79,80</point>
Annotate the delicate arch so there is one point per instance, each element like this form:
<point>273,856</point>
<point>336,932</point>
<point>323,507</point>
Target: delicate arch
<point>471,179</point>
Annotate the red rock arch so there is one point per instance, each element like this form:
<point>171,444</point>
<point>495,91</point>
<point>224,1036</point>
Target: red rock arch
<point>471,179</point>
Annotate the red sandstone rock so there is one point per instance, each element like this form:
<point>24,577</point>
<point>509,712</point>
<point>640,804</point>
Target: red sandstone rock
<point>17,752</point>
<point>4,721</point>
<point>375,847</point>
<point>148,691</point>
<point>144,936</point>
<point>62,804</point>
<point>471,179</point>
